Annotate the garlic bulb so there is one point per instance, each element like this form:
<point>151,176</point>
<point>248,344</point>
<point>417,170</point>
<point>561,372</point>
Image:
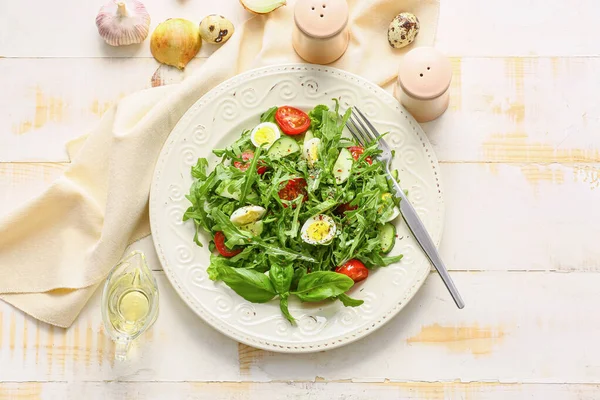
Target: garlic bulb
<point>262,6</point>
<point>175,42</point>
<point>123,22</point>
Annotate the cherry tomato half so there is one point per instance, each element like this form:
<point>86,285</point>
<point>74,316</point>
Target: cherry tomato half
<point>355,269</point>
<point>294,188</point>
<point>222,248</point>
<point>357,151</point>
<point>243,165</point>
<point>345,207</point>
<point>292,121</point>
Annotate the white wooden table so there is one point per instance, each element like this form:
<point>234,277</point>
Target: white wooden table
<point>520,155</point>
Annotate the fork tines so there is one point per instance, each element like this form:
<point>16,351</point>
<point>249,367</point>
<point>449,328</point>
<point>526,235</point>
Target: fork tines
<point>360,127</point>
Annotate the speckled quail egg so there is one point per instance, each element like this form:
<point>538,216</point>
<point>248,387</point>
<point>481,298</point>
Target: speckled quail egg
<point>246,215</point>
<point>216,29</point>
<point>319,229</point>
<point>403,30</point>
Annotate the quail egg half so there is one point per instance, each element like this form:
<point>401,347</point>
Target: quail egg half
<point>265,134</point>
<point>247,214</point>
<point>311,151</point>
<point>319,229</point>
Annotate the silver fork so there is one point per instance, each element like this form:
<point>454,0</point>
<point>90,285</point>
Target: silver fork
<point>365,133</point>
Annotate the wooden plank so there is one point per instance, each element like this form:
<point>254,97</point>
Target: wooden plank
<point>520,110</point>
<point>515,110</point>
<point>295,390</point>
<point>517,327</point>
<point>521,217</point>
<point>499,216</point>
<point>48,102</point>
<point>466,27</point>
<point>517,28</point>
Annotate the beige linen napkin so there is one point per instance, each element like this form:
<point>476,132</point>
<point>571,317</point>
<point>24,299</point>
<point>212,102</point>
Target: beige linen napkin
<point>55,250</point>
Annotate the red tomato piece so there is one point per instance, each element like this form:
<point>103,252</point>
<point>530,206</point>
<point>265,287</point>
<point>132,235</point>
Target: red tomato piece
<point>247,157</point>
<point>354,269</point>
<point>294,188</point>
<point>222,248</point>
<point>357,151</point>
<point>345,207</point>
<point>292,121</point>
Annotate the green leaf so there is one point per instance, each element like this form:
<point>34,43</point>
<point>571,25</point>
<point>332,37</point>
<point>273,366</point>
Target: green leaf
<point>251,285</point>
<point>320,208</point>
<point>269,115</point>
<point>298,274</point>
<point>212,272</point>
<point>316,116</point>
<point>281,277</point>
<point>321,285</point>
<point>283,306</point>
<point>349,301</point>
<point>199,170</point>
<point>251,176</point>
<point>295,226</point>
<point>235,237</point>
<point>196,239</point>
<point>279,251</point>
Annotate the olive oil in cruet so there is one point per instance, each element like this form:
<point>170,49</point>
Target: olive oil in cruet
<point>129,302</point>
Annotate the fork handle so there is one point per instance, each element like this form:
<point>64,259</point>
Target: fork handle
<point>418,229</point>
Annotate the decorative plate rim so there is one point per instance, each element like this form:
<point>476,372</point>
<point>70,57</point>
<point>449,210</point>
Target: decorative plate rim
<point>199,309</point>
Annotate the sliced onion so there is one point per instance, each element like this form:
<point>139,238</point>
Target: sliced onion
<point>262,6</point>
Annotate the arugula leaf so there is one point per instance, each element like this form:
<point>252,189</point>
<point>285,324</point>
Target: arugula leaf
<point>278,251</point>
<point>196,239</point>
<point>281,277</point>
<point>199,170</point>
<point>349,301</point>
<point>251,285</point>
<point>235,237</point>
<point>321,285</point>
<point>320,208</point>
<point>295,226</point>
<point>269,115</point>
<point>316,116</point>
<point>237,148</point>
<point>251,176</point>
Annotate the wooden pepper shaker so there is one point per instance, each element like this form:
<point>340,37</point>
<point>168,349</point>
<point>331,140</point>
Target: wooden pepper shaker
<point>321,32</point>
<point>423,83</point>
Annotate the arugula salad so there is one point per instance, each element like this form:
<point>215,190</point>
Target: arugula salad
<point>295,209</point>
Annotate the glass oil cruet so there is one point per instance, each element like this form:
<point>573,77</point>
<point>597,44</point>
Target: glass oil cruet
<point>129,302</point>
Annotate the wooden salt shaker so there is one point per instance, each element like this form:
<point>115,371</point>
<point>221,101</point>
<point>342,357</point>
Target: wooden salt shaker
<point>423,83</point>
<point>321,32</point>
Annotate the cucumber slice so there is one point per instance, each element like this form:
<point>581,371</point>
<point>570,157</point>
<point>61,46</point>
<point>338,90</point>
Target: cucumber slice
<point>223,191</point>
<point>342,166</point>
<point>284,146</point>
<point>387,234</point>
<point>224,188</point>
<point>255,228</point>
<point>394,215</point>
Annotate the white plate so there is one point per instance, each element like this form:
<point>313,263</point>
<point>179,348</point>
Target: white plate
<point>215,121</point>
